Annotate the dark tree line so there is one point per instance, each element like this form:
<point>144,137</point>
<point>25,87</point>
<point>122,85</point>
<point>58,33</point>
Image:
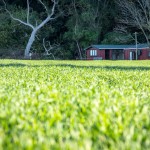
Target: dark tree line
<point>79,23</point>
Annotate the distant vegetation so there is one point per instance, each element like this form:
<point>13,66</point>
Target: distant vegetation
<point>78,24</point>
<point>74,105</point>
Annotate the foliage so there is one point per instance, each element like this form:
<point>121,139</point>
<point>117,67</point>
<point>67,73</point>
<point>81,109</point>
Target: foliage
<point>12,35</point>
<point>74,105</point>
<point>81,23</point>
<point>118,38</point>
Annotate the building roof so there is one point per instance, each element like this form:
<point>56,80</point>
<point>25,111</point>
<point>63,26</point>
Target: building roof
<point>139,46</point>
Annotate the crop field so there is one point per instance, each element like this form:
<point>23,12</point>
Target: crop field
<point>74,105</point>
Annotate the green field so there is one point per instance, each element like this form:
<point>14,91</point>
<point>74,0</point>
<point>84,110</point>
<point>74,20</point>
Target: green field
<point>74,105</point>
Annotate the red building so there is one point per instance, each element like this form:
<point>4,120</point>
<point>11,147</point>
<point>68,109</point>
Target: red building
<point>118,52</point>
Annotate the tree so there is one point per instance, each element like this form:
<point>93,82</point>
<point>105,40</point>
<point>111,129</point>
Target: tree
<point>38,26</point>
<point>85,23</point>
<point>117,38</point>
<point>136,14</point>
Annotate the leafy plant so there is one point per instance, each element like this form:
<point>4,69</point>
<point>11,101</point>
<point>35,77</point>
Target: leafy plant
<point>74,105</point>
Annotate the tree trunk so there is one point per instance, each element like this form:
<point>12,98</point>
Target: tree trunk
<point>80,54</point>
<point>34,28</point>
<point>29,44</point>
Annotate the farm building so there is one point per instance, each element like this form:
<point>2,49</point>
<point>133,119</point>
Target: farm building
<point>118,52</point>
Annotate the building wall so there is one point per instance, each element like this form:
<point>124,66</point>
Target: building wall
<point>100,54</point>
<point>143,56</point>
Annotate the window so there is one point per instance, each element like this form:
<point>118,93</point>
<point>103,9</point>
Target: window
<point>93,52</point>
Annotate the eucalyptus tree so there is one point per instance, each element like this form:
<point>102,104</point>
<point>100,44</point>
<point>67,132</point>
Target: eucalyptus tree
<point>50,15</point>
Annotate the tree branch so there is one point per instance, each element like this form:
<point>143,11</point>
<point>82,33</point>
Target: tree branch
<point>53,8</point>
<point>16,19</point>
<point>28,11</point>
<point>49,17</point>
<point>47,51</point>
<point>136,15</point>
<point>44,6</point>
<point>34,28</point>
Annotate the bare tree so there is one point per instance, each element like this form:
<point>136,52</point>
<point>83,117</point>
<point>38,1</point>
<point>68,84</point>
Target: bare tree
<point>120,28</point>
<point>37,27</point>
<point>136,14</point>
<point>48,48</point>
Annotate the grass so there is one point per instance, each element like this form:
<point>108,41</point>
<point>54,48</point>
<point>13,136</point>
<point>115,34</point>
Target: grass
<point>74,105</point>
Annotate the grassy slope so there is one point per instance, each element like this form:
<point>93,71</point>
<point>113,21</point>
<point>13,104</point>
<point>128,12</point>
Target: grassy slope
<point>74,104</point>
